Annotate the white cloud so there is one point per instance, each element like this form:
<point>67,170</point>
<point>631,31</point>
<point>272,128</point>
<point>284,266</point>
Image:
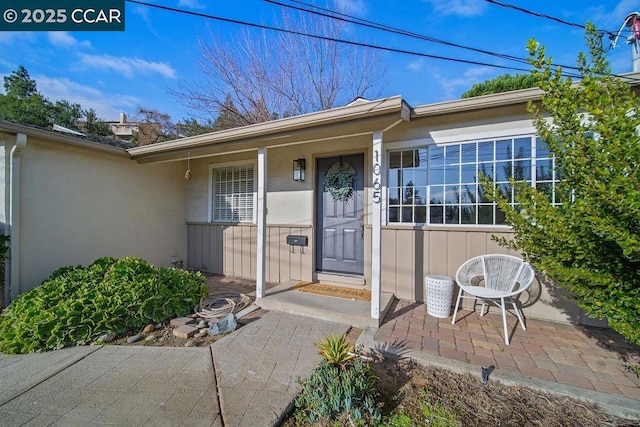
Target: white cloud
<point>352,7</point>
<point>191,4</point>
<point>459,7</point>
<point>607,16</point>
<point>64,39</point>
<point>127,66</point>
<point>417,65</point>
<point>453,87</point>
<point>144,13</point>
<point>6,64</point>
<point>476,72</point>
<point>107,105</point>
<point>12,37</point>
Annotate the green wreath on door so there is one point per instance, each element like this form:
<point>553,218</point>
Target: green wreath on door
<point>339,181</point>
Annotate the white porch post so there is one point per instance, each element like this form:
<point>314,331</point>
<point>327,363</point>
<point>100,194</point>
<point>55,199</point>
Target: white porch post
<point>376,222</point>
<point>261,222</point>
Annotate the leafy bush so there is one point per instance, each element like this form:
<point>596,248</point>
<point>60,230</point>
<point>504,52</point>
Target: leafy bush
<point>332,392</point>
<point>503,83</point>
<point>590,243</point>
<point>76,305</point>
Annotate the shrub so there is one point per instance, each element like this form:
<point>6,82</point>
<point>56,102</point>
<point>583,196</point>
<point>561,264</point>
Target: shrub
<point>332,392</point>
<point>76,305</point>
<point>590,243</point>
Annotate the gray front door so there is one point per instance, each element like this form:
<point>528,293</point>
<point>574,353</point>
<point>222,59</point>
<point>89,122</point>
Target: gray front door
<point>340,227</point>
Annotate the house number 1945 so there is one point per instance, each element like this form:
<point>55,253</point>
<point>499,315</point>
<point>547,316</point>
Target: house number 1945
<point>377,186</point>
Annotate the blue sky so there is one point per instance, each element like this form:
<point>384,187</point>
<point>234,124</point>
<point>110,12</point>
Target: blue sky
<point>116,72</point>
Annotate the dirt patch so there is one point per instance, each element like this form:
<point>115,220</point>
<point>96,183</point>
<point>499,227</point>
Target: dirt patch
<point>165,338</point>
<point>414,395</point>
<point>405,386</point>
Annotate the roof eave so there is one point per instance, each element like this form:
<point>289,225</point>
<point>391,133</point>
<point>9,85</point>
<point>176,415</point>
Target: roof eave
<point>478,103</point>
<point>515,97</point>
<point>274,129</point>
<point>15,128</point>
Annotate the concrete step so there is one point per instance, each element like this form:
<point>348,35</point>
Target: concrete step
<point>351,312</point>
<point>340,280</point>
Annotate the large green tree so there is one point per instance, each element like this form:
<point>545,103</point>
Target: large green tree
<point>503,83</point>
<point>590,243</point>
<point>22,103</point>
<point>93,125</point>
<point>192,127</point>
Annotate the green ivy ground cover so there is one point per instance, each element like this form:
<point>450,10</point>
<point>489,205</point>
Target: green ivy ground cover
<point>78,304</point>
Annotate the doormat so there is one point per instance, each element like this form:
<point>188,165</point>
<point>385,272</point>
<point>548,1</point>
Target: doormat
<point>333,291</point>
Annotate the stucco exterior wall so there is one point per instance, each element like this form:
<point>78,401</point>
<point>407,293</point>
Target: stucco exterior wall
<point>288,202</point>
<point>78,205</point>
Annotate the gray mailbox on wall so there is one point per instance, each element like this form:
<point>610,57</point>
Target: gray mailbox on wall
<point>297,240</point>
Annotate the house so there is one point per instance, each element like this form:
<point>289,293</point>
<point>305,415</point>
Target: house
<point>128,131</point>
<point>416,208</point>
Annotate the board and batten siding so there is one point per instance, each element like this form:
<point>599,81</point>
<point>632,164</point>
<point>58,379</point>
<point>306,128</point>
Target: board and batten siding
<point>411,253</point>
<point>230,249</point>
<point>408,255</point>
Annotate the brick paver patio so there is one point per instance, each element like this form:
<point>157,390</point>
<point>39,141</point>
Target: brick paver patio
<point>591,358</point>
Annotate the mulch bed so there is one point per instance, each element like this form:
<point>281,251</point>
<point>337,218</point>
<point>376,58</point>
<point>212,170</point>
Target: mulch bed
<point>404,384</point>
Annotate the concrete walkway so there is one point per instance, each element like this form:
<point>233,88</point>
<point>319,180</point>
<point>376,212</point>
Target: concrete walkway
<point>255,368</point>
<point>116,385</point>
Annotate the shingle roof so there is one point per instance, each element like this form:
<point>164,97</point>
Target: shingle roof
<point>59,135</point>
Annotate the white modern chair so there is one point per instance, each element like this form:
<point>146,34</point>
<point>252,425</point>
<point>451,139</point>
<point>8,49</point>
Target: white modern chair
<point>494,278</point>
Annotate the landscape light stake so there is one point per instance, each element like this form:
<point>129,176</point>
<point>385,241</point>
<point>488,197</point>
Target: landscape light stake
<point>485,374</point>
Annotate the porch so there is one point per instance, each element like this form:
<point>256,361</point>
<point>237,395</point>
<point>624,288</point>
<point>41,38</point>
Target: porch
<point>585,360</point>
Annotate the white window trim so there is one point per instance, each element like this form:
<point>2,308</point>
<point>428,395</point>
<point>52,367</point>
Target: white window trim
<point>213,166</point>
<point>461,138</point>
<point>527,132</point>
<point>520,132</point>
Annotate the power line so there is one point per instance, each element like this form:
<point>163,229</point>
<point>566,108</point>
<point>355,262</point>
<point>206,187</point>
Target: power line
<point>334,39</point>
<point>375,25</point>
<point>326,38</point>
<point>542,15</point>
<point>372,24</point>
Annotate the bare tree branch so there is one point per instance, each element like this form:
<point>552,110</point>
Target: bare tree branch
<point>263,75</point>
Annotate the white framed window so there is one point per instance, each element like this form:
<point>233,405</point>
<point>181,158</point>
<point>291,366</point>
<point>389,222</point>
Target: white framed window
<point>439,184</point>
<point>232,192</point>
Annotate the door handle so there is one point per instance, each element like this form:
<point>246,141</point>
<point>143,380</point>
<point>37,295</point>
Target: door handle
<point>362,230</point>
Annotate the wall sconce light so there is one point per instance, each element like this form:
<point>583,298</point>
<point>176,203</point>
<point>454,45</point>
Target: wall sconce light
<point>298,169</point>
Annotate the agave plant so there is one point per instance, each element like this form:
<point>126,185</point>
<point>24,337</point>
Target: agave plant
<point>336,350</point>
